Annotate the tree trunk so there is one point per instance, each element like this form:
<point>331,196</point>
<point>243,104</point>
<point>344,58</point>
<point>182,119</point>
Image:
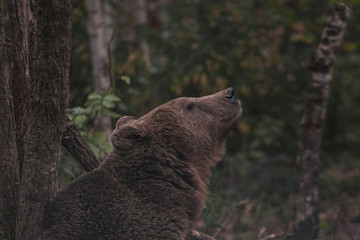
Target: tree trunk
<point>49,62</point>
<point>19,14</point>
<point>306,220</point>
<point>9,168</point>
<point>100,31</point>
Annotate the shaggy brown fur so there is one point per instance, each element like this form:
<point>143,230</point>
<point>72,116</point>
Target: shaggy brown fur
<point>153,184</point>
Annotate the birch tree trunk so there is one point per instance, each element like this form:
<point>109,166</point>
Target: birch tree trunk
<point>306,220</point>
<point>9,168</point>
<point>100,31</point>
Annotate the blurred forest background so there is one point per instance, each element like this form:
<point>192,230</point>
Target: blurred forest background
<point>157,50</point>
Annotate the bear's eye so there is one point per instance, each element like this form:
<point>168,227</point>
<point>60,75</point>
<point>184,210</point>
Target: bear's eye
<point>190,106</point>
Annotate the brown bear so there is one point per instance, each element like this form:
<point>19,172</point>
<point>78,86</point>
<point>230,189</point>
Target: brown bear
<point>153,184</point>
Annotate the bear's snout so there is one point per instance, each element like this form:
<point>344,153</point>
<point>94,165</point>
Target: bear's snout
<point>230,95</point>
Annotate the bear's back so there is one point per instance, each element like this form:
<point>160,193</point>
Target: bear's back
<point>98,207</point>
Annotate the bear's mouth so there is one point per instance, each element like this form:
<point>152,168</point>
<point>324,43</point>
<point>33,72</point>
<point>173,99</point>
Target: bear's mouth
<point>231,96</point>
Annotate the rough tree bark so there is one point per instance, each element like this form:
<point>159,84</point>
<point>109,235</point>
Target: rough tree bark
<point>19,15</point>
<point>306,221</point>
<point>100,31</point>
<point>49,45</point>
<point>9,168</point>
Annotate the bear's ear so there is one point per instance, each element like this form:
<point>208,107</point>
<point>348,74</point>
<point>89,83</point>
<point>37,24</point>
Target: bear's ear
<point>123,120</point>
<point>125,136</point>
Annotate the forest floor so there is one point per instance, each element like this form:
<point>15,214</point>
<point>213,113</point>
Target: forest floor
<point>339,220</point>
<point>339,214</point>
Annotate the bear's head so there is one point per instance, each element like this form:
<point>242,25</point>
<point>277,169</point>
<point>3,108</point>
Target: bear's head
<point>193,129</point>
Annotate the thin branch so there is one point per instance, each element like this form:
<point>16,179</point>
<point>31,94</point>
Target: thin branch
<point>261,233</point>
<point>109,50</point>
<point>195,235</point>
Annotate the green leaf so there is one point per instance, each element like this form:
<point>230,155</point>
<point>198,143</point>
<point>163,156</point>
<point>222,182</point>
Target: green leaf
<point>97,138</point>
<point>98,143</point>
<point>94,148</point>
<point>94,96</point>
<point>112,98</point>
<point>79,120</point>
<point>108,104</point>
<point>73,112</point>
<point>107,113</point>
<point>126,79</point>
<point>95,110</point>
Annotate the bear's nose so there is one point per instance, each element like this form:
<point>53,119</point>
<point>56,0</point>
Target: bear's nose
<point>230,95</point>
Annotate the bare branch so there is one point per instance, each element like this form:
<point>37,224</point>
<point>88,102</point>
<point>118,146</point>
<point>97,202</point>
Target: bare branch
<point>77,146</point>
<point>195,235</point>
<point>225,222</point>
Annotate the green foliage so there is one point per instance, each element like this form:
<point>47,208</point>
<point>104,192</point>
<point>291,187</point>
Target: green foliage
<point>97,142</point>
<point>98,104</point>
